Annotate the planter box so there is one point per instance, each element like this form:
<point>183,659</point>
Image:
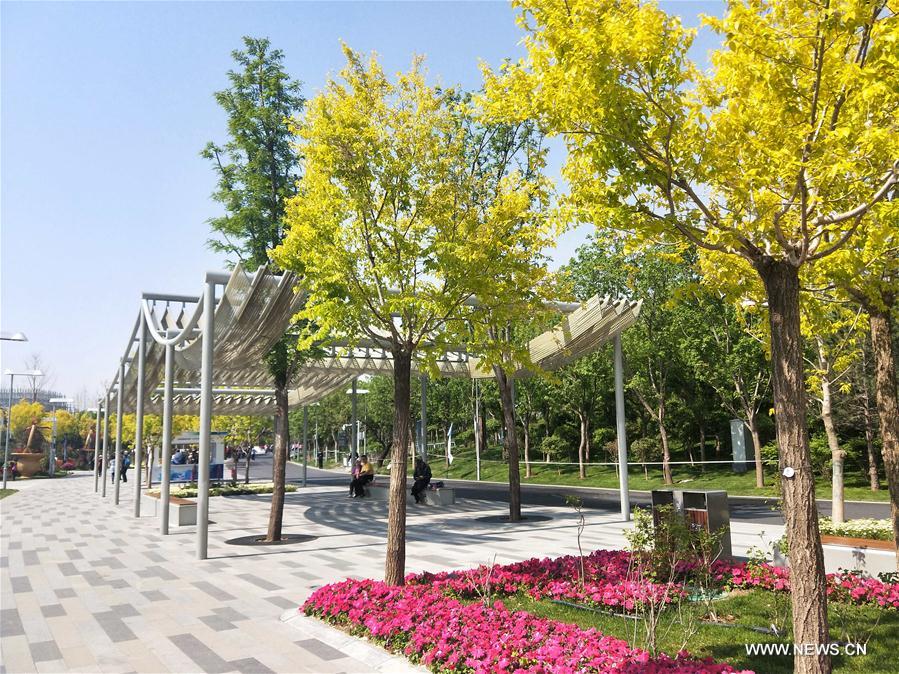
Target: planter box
<point>858,554</point>
<point>852,554</point>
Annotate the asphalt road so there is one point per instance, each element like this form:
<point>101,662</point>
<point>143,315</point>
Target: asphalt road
<point>744,508</point>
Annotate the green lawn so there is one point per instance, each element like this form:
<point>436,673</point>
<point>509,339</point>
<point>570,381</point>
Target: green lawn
<point>7,492</point>
<point>727,644</point>
<point>494,469</point>
<point>714,477</point>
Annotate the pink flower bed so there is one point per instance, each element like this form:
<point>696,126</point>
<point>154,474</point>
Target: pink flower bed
<point>845,587</point>
<point>441,632</point>
<point>609,581</point>
<point>612,579</point>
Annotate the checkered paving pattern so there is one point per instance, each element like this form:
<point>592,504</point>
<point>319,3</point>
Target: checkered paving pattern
<point>86,587</point>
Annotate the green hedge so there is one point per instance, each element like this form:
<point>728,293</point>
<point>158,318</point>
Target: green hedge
<point>227,490</point>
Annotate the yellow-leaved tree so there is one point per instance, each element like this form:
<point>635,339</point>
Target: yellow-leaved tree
<point>868,273</point>
<point>767,162</point>
<point>390,230</point>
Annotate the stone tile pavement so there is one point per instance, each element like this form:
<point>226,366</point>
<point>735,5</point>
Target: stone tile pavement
<point>85,587</point>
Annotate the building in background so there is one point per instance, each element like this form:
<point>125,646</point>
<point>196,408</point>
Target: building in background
<point>39,395</point>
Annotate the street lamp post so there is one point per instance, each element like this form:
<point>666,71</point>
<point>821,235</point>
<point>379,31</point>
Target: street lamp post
<point>12,376</point>
<point>13,337</point>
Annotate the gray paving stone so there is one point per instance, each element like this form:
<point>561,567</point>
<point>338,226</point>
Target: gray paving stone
<point>217,623</point>
<point>10,623</point>
<point>68,569</point>
<point>207,659</point>
<point>159,572</point>
<point>29,558</point>
<point>66,593</point>
<point>155,595</point>
<point>42,651</point>
<point>229,613</point>
<point>114,627</point>
<point>320,649</point>
<point>250,666</point>
<point>53,611</point>
<point>74,554</point>
<point>258,582</point>
<point>213,591</point>
<point>124,611</point>
<point>20,584</point>
<point>281,602</point>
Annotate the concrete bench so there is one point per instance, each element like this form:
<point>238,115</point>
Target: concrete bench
<point>182,511</point>
<point>433,496</point>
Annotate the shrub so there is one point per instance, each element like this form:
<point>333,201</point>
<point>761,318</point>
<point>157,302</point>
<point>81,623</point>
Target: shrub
<point>880,530</point>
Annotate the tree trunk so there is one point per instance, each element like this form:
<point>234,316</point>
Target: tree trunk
<point>753,424</point>
<point>837,455</point>
<point>482,428</point>
<point>887,408</point>
<point>702,455</point>
<point>869,432</point>
<point>586,439</point>
<point>246,470</point>
<point>666,450</point>
<point>395,562</point>
<point>510,442</point>
<point>279,464</point>
<point>581,446</point>
<point>717,446</point>
<point>150,458</point>
<point>808,592</point>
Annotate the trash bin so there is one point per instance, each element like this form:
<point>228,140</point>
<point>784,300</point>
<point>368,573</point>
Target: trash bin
<point>703,509</point>
<point>321,460</point>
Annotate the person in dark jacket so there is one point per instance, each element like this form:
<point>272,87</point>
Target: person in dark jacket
<point>422,477</point>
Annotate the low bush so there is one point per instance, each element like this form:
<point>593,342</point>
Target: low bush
<point>879,530</point>
<point>225,490</point>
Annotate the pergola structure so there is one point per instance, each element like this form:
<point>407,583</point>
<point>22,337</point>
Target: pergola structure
<point>205,354</point>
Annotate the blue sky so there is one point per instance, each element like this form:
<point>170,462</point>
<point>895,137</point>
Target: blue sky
<point>105,108</point>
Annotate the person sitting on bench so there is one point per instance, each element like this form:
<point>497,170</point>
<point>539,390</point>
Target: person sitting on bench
<point>354,473</point>
<point>366,475</point>
<point>422,477</point>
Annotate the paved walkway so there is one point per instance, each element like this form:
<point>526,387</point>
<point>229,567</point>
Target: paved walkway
<point>86,587</point>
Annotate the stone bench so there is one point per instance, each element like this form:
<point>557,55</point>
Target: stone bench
<point>182,511</point>
<point>380,491</point>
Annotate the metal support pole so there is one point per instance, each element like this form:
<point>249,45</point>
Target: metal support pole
<point>205,420</point>
<point>120,399</point>
<point>622,430</point>
<point>97,447</point>
<point>354,452</point>
<point>8,425</point>
<point>105,443</point>
<point>165,467</point>
<point>305,441</point>
<point>139,412</point>
<point>423,447</point>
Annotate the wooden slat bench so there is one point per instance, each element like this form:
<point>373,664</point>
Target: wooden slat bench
<point>182,511</point>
